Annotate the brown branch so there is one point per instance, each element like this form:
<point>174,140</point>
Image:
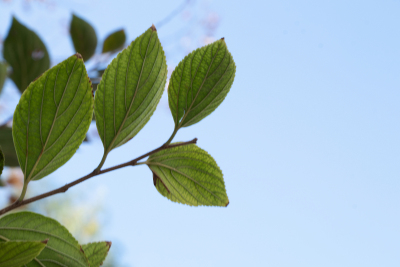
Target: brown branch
<point>64,188</point>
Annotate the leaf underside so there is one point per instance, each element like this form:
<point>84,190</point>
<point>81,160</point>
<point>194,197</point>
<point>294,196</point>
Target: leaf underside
<point>19,253</point>
<point>52,118</point>
<point>188,175</point>
<point>96,252</point>
<point>130,90</point>
<point>62,249</point>
<point>83,37</point>
<point>26,54</point>
<point>200,83</point>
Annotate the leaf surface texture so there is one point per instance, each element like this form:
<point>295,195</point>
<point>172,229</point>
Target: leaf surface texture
<point>19,253</point>
<point>188,175</point>
<point>52,118</point>
<point>62,249</point>
<point>96,252</point>
<point>130,90</point>
<point>200,83</point>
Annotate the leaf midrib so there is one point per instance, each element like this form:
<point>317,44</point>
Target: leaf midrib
<point>183,174</point>
<point>212,101</point>
<point>133,98</point>
<point>39,232</point>
<point>54,119</point>
<point>198,91</point>
<point>65,255</point>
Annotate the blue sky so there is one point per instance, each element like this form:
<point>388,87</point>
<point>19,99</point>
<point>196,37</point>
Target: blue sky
<point>307,138</point>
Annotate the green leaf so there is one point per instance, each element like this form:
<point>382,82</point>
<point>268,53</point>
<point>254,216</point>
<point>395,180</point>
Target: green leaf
<point>188,175</point>
<point>7,145</point>
<point>114,41</point>
<point>130,90</point>
<point>19,253</point>
<point>52,118</point>
<point>1,161</point>
<point>200,83</point>
<point>96,252</point>
<point>83,36</point>
<point>62,249</point>
<point>3,74</point>
<point>26,54</point>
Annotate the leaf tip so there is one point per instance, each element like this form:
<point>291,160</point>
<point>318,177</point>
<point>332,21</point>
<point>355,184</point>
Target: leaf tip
<point>45,241</point>
<point>109,243</point>
<point>223,38</point>
<point>227,204</point>
<point>153,28</point>
<point>78,56</point>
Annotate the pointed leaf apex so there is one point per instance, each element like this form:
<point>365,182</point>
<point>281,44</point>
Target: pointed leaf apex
<point>78,55</point>
<point>109,243</point>
<point>153,28</point>
<point>223,38</point>
<point>227,204</point>
<point>45,241</point>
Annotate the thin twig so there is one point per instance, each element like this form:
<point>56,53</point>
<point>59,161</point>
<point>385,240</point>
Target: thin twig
<point>171,15</point>
<point>64,188</point>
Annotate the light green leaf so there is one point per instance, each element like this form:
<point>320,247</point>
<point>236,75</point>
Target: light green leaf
<point>83,36</point>
<point>19,253</point>
<point>26,54</point>
<point>96,252</point>
<point>1,161</point>
<point>200,83</point>
<point>130,90</point>
<point>7,145</point>
<point>3,74</point>
<point>189,175</point>
<point>114,41</point>
<point>62,249</point>
<point>52,118</point>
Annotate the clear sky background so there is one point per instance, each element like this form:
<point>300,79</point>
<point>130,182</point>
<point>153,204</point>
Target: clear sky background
<point>307,138</point>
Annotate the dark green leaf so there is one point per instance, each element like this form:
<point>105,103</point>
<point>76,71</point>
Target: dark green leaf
<point>1,161</point>
<point>26,54</point>
<point>200,83</point>
<point>83,36</point>
<point>52,118</point>
<point>188,175</point>
<point>62,249</point>
<point>130,90</point>
<point>7,145</point>
<point>3,74</point>
<point>114,41</point>
<point>19,253</point>
<point>96,252</point>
